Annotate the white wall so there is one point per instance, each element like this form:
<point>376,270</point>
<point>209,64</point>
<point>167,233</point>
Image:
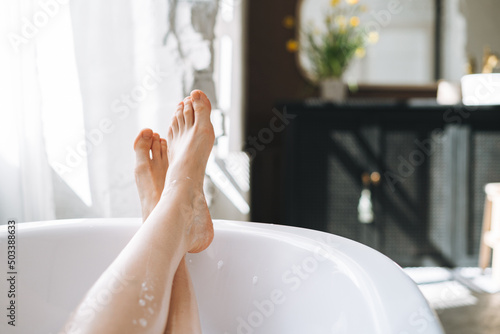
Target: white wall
<point>483,27</point>
<point>454,39</point>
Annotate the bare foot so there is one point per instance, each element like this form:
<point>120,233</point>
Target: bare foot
<point>190,140</point>
<point>150,171</point>
<point>150,179</point>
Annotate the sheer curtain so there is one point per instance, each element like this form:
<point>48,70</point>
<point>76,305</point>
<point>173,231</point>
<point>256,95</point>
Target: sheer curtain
<point>26,187</point>
<point>79,80</point>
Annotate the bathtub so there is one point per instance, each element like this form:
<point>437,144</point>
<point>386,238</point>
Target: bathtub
<point>254,278</point>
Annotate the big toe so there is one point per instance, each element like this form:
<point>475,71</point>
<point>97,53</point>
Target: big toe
<point>142,145</point>
<point>201,105</point>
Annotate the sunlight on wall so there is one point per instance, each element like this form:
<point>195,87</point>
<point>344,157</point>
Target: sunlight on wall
<point>226,58</point>
<point>227,10</point>
<point>220,179</point>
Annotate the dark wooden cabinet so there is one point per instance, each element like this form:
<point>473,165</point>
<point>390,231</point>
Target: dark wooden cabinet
<point>433,163</point>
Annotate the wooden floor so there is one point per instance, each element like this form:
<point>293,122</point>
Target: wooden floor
<point>482,318</point>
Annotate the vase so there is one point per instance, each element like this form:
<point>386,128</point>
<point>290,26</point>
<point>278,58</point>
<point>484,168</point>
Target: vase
<point>333,90</point>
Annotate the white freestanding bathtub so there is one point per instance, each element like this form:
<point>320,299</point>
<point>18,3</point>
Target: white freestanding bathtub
<point>254,278</point>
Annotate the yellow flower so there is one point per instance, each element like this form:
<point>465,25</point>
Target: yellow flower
<point>341,21</point>
<point>354,21</point>
<point>360,52</point>
<point>373,37</point>
<point>289,22</point>
<point>292,46</point>
<point>334,3</point>
<point>352,2</point>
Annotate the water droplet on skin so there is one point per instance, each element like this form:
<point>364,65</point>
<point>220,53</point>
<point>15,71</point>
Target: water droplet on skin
<point>220,264</point>
<point>143,322</point>
<point>151,310</point>
<point>255,279</point>
<point>148,297</point>
<point>142,302</point>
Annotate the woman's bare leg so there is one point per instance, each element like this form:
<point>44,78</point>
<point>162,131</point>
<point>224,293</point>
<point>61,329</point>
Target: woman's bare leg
<point>150,175</point>
<point>151,169</point>
<point>183,316</point>
<point>179,223</point>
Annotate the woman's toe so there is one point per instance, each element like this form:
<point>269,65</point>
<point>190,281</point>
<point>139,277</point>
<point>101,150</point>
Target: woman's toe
<point>156,147</point>
<point>201,106</point>
<point>142,145</point>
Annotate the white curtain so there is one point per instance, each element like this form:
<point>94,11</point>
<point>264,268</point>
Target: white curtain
<point>25,178</point>
<point>78,82</point>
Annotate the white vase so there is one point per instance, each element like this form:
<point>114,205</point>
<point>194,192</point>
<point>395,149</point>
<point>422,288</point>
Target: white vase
<point>333,90</point>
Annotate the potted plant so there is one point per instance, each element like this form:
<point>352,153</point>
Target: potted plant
<point>331,45</point>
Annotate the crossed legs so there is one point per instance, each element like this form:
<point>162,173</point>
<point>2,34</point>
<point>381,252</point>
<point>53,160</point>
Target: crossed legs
<point>159,295</point>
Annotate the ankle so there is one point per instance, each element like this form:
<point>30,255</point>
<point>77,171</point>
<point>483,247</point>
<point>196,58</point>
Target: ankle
<point>186,184</point>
